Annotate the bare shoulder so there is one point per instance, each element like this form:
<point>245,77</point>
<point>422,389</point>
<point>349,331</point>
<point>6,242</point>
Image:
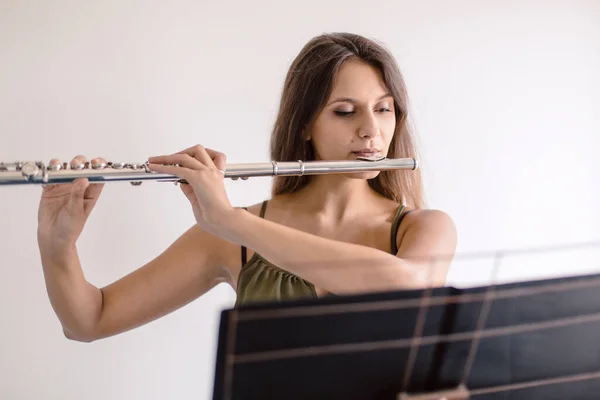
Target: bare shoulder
<point>424,232</point>
<point>432,218</point>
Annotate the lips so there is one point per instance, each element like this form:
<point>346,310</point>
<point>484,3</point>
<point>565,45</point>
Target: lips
<point>366,152</point>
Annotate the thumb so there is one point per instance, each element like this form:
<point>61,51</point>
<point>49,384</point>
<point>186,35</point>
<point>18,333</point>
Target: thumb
<point>220,160</point>
<point>91,195</point>
<point>188,191</point>
<point>78,188</point>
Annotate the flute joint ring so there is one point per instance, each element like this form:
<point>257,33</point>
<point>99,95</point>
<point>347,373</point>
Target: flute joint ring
<point>301,167</point>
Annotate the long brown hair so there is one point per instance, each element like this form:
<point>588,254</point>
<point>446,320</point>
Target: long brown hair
<point>307,87</point>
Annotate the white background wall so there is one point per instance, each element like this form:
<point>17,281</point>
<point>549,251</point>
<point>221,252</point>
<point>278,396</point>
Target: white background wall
<point>506,100</point>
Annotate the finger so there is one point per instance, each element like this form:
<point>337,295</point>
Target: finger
<point>219,159</point>
<point>91,196</point>
<point>78,162</point>
<point>188,191</point>
<point>93,191</point>
<point>199,153</point>
<point>78,188</point>
<point>180,172</point>
<point>182,160</point>
<point>99,161</point>
<point>54,162</point>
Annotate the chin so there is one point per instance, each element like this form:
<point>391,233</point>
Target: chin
<point>363,175</point>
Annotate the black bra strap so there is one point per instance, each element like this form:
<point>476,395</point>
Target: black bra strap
<point>244,255</point>
<point>394,233</point>
<point>263,208</point>
<point>244,251</point>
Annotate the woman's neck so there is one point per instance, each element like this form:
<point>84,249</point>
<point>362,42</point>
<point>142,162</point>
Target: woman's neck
<point>335,198</point>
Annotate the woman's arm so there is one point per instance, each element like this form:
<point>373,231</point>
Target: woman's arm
<point>340,267</point>
<point>331,265</point>
<point>189,267</point>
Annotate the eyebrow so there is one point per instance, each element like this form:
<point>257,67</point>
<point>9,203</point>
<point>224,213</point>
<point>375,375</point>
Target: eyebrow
<point>352,100</point>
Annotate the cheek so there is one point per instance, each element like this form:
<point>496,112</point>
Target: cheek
<point>388,126</point>
<point>328,144</point>
<point>330,131</point>
<point>334,124</point>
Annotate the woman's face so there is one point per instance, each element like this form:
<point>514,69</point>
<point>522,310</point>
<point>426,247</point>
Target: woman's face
<point>358,118</point>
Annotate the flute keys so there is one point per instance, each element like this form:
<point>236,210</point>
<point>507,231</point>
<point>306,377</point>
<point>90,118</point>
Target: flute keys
<point>78,166</point>
<point>30,170</point>
<point>45,175</point>
<point>118,165</point>
<point>99,165</point>
<point>10,167</point>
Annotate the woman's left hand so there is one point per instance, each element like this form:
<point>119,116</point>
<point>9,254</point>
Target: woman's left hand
<point>202,168</point>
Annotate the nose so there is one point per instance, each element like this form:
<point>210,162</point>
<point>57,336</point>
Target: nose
<point>369,126</point>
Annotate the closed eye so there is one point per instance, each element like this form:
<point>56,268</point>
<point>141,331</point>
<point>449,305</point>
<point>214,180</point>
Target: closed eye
<point>347,113</point>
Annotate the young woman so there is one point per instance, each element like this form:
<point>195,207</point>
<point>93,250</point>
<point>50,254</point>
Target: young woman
<point>344,97</point>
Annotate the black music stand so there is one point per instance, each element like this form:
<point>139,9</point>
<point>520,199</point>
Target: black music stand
<point>527,340</point>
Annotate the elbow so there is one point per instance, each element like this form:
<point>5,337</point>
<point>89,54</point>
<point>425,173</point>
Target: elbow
<point>79,336</point>
<point>415,276</point>
<point>427,283</point>
<point>425,278</point>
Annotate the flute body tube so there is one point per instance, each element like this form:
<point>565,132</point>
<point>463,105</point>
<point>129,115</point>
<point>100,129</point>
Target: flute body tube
<point>36,172</point>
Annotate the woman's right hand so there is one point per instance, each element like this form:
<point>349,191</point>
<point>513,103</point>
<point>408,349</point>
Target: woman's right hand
<point>64,208</point>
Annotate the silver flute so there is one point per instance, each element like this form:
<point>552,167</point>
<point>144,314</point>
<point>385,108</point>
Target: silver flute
<point>36,172</point>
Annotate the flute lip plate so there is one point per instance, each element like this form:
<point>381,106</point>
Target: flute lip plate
<point>374,158</point>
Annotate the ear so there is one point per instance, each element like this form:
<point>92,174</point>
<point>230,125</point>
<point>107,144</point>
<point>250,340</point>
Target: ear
<point>307,135</point>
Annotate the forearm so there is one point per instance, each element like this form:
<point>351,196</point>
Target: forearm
<point>76,302</point>
<point>332,265</point>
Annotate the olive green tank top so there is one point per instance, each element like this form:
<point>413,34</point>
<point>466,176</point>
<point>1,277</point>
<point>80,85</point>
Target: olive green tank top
<point>262,281</point>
